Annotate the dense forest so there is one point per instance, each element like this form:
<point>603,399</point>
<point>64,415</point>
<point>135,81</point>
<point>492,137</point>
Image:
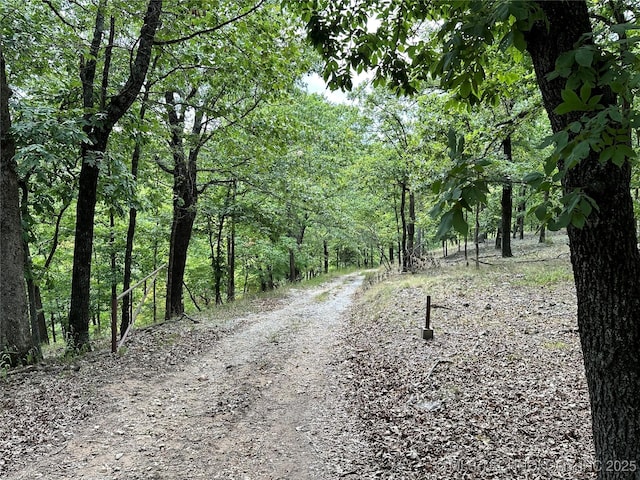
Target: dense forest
<point>174,150</point>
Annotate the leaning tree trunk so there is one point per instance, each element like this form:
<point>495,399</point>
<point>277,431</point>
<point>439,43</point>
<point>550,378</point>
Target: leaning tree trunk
<point>605,259</point>
<point>91,155</point>
<point>15,336</point>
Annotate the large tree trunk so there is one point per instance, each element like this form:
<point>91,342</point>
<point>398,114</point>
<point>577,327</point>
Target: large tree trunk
<point>15,335</point>
<point>181,229</point>
<point>605,261</point>
<point>185,194</point>
<point>91,154</point>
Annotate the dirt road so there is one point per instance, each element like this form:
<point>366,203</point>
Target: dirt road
<point>261,403</point>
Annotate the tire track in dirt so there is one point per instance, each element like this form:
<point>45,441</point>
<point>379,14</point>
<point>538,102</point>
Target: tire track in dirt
<point>260,405</point>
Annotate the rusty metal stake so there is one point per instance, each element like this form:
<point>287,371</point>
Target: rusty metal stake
<point>427,332</point>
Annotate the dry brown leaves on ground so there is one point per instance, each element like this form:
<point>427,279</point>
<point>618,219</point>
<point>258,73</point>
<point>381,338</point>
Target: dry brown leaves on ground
<point>499,393</point>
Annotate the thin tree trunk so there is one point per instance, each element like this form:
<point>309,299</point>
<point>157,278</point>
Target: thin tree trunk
<point>325,247</point>
<point>133,215</point>
<point>39,332</point>
<point>604,255</point>
<point>506,204</point>
<point>231,263</point>
<point>231,247</point>
<point>113,279</point>
<point>218,261</point>
<point>411,228</point>
<point>476,236</point>
<point>543,229</point>
<point>522,210</point>
<point>403,221</point>
<point>292,266</point>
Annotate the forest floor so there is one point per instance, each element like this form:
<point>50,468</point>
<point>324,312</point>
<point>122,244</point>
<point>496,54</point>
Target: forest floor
<point>332,382</point>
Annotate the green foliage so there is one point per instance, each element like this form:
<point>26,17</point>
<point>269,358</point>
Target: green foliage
<point>469,47</point>
<point>463,187</point>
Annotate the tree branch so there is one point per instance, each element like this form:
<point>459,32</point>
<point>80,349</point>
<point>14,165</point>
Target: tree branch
<point>212,29</point>
<point>57,14</point>
<point>123,100</point>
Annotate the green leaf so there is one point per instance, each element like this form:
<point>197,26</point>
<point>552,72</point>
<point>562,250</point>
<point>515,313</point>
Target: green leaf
<point>578,220</point>
<point>607,154</point>
<point>614,114</point>
<point>519,41</point>
<point>584,57</point>
<point>581,150</point>
<point>541,212</point>
<point>585,92</point>
<point>550,165</point>
<point>585,207</point>
<point>575,127</point>
<point>459,223</point>
<point>445,224</point>
<point>465,89</point>
<point>563,221</point>
<point>534,179</point>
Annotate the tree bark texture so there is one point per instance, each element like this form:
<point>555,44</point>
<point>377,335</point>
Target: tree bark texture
<point>605,261</point>
<point>15,335</point>
<point>185,199</point>
<point>91,154</point>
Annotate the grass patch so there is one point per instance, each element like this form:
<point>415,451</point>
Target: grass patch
<point>556,345</point>
<point>545,273</point>
<point>321,297</point>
